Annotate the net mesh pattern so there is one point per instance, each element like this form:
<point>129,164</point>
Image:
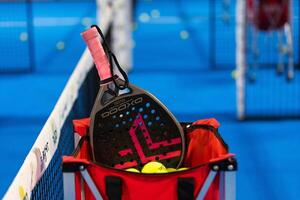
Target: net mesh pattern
<point>20,30</point>
<point>222,30</point>
<point>268,93</point>
<point>50,186</point>
<point>14,38</point>
<point>212,27</point>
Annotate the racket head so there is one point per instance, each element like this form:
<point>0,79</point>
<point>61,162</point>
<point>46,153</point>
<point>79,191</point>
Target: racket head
<point>133,129</point>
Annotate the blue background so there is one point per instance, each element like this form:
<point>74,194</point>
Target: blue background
<point>177,70</point>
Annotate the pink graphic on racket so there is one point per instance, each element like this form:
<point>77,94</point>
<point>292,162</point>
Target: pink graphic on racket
<point>129,126</point>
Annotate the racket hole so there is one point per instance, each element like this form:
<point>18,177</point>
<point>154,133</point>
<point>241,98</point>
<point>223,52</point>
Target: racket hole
<point>145,116</point>
<point>157,118</point>
<point>141,110</point>
<point>133,126</point>
<point>121,163</point>
<point>152,111</point>
<point>156,158</point>
<point>125,146</point>
<point>164,154</point>
<point>144,130</point>
<point>147,105</point>
<point>161,146</point>
<point>168,160</point>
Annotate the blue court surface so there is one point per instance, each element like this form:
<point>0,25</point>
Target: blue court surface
<point>172,61</point>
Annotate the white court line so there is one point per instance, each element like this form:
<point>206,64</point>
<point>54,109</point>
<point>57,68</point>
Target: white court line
<point>71,21</point>
<point>177,20</point>
<point>47,22</point>
<point>8,24</point>
<point>173,20</point>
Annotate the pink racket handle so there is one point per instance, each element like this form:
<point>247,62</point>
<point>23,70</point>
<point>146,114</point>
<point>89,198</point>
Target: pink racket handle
<point>92,40</point>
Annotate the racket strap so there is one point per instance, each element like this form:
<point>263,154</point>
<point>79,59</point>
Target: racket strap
<point>113,61</point>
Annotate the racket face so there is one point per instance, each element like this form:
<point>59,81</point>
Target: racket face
<point>134,129</point>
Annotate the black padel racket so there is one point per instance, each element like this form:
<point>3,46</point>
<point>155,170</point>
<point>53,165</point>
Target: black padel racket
<point>129,126</point>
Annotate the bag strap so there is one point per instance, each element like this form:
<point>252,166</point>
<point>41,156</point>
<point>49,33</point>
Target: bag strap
<point>185,188</point>
<point>113,187</point>
<point>79,145</point>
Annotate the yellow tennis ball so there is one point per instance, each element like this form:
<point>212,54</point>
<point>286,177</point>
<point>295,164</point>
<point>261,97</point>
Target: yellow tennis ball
<point>183,168</point>
<point>171,169</point>
<point>154,167</point>
<point>233,74</point>
<point>132,170</point>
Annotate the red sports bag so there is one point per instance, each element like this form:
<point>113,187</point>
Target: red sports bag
<point>268,15</point>
<point>211,173</point>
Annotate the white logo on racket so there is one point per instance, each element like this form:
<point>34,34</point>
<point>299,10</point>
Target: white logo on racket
<point>121,107</point>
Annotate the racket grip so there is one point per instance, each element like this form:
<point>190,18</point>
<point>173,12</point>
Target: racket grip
<point>92,40</point>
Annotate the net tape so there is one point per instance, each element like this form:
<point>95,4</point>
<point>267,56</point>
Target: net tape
<point>51,140</point>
